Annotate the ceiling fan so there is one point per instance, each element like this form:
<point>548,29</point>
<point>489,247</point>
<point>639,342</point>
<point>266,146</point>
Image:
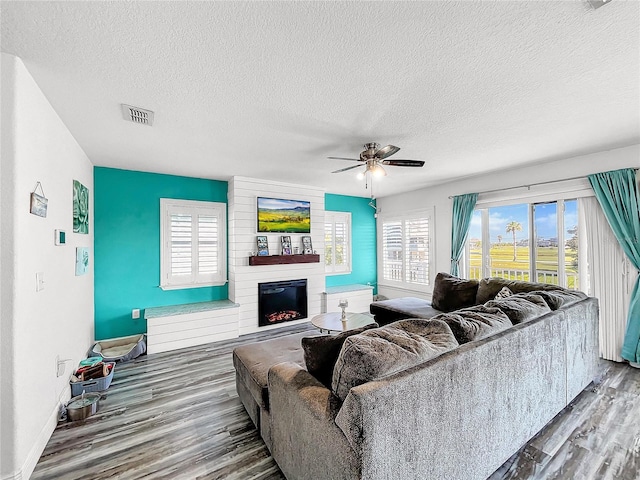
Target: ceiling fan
<point>374,157</point>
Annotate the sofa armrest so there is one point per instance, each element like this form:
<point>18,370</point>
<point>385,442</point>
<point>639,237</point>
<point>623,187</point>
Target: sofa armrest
<point>303,429</point>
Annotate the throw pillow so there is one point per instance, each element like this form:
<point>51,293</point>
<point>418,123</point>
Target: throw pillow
<point>504,293</point>
<point>451,293</point>
<point>489,287</point>
<point>521,307</point>
<point>386,350</point>
<point>474,323</point>
<point>560,298</point>
<point>321,352</point>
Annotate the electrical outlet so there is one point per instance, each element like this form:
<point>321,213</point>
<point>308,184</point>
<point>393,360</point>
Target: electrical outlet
<point>39,281</point>
<point>135,313</point>
<point>61,365</point>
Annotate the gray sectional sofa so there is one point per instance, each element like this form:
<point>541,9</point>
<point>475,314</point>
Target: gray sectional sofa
<point>453,395</point>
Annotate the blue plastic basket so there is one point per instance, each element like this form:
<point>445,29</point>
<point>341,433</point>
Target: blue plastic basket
<point>93,385</point>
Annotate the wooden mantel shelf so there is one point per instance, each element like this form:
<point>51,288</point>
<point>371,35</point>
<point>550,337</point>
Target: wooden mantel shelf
<point>284,259</point>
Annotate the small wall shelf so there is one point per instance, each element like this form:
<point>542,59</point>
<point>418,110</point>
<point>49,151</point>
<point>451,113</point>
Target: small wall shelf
<point>284,259</point>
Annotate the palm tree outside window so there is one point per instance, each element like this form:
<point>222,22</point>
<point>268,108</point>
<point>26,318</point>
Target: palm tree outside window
<point>543,246</point>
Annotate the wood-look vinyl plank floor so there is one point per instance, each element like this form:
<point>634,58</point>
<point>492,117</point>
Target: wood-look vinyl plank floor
<point>176,415</point>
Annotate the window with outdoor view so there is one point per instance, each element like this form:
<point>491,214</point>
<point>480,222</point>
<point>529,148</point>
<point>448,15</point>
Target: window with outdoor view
<point>405,250</point>
<point>535,242</point>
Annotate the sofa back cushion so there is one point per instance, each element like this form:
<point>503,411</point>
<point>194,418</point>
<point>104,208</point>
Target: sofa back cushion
<point>474,323</point>
<point>321,352</point>
<point>488,288</point>
<point>559,298</point>
<point>521,307</point>
<point>452,293</point>
<point>383,351</point>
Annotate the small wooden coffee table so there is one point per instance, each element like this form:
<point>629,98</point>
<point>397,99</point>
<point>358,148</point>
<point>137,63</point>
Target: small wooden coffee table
<point>331,322</point>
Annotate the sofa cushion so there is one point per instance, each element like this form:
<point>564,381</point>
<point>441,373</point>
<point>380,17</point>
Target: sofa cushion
<point>489,287</point>
<point>560,298</point>
<point>388,311</point>
<point>376,353</point>
<point>321,353</point>
<point>521,307</point>
<point>474,323</point>
<point>452,293</point>
<point>252,362</point>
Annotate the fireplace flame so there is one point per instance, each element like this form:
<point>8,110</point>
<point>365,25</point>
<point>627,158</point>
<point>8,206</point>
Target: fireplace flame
<point>283,315</point>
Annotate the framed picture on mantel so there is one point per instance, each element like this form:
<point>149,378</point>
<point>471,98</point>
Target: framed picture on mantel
<point>286,245</point>
<point>306,245</point>
<point>263,246</point>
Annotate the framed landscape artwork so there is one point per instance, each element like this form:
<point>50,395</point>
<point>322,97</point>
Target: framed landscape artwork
<point>284,216</point>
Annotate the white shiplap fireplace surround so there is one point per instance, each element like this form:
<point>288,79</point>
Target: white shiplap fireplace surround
<point>243,223</point>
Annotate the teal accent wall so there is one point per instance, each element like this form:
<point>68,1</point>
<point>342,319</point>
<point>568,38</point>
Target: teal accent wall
<point>127,245</point>
<point>363,240</point>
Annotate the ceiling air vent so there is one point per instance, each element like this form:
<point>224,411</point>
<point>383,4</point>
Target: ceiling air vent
<point>137,115</point>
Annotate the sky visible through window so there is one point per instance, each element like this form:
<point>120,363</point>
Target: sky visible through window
<point>546,221</point>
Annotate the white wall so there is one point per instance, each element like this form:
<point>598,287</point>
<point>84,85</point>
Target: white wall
<point>437,197</point>
<point>243,278</point>
<point>57,321</point>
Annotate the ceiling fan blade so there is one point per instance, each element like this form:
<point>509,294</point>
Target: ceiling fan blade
<point>345,169</point>
<point>403,163</point>
<point>385,152</point>
<point>343,158</point>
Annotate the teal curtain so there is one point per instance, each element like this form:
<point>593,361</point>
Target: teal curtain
<point>617,193</point>
<point>463,206</point>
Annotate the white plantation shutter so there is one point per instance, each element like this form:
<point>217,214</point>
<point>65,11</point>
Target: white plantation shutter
<point>193,243</point>
<point>392,251</point>
<point>405,250</point>
<point>207,244</point>
<point>181,249</point>
<point>328,245</point>
<point>417,251</point>
<point>337,242</point>
<point>341,237</point>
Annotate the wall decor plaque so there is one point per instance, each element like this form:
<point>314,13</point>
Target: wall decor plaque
<point>38,203</point>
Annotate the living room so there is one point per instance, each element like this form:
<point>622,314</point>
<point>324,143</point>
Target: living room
<point>516,101</point>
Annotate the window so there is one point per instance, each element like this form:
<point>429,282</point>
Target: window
<point>406,250</point>
<point>337,242</point>
<point>192,244</point>
<point>528,241</point>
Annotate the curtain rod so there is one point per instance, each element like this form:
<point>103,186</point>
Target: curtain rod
<point>529,185</point>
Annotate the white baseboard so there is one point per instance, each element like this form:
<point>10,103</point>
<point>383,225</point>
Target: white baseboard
<point>41,442</point>
<point>15,476</point>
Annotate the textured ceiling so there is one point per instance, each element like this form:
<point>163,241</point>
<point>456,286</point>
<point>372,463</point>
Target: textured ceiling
<point>269,90</point>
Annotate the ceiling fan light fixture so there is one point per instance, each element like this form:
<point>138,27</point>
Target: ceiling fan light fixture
<point>373,158</point>
<point>378,171</point>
